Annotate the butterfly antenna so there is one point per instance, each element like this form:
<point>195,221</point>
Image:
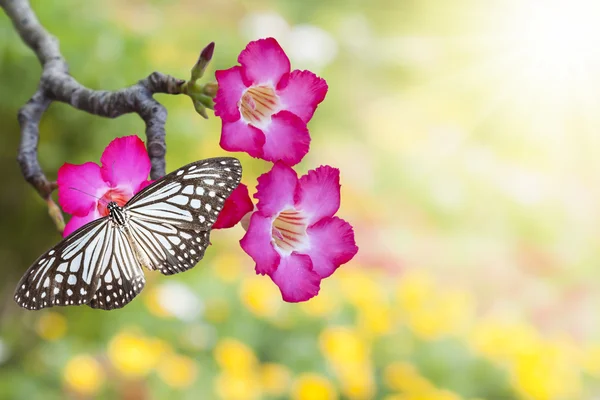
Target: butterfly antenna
<point>96,197</point>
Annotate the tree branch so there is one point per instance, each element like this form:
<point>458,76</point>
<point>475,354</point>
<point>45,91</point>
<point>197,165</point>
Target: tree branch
<point>56,84</point>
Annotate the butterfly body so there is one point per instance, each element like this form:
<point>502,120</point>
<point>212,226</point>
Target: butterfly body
<point>116,213</point>
<point>164,227</point>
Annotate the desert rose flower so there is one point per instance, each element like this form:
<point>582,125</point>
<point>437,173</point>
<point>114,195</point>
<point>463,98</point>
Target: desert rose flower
<point>85,190</point>
<point>293,236</point>
<point>264,106</point>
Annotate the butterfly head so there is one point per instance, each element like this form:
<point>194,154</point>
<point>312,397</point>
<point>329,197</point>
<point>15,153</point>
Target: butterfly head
<point>116,213</point>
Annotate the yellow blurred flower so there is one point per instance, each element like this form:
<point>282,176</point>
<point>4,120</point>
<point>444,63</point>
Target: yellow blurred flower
<point>414,290</point>
<point>343,345</point>
<point>360,288</point>
<point>356,380</point>
<point>429,311</point>
<point>275,379</point>
<point>51,326</point>
<point>230,386</point>
<point>591,360</point>
<point>177,371</point>
<point>227,266</point>
<point>216,310</point>
<point>349,356</point>
<point>404,377</point>
<point>135,355</point>
<point>502,340</point>
<point>427,324</point>
<point>548,371</point>
<point>84,375</point>
<point>309,386</point>
<point>261,296</point>
<point>375,320</point>
<point>235,357</point>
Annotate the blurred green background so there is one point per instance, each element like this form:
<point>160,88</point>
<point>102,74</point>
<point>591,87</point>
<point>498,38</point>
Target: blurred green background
<point>467,135</point>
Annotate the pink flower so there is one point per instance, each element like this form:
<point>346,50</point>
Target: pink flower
<point>265,107</point>
<point>236,206</point>
<point>293,236</point>
<point>85,190</point>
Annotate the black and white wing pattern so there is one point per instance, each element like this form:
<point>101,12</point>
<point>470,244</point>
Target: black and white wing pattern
<point>119,277</point>
<point>75,271</point>
<point>171,219</point>
<point>166,226</point>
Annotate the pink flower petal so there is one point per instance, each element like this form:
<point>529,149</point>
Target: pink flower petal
<point>77,222</point>
<point>275,190</point>
<point>236,206</point>
<point>257,244</point>
<point>263,61</point>
<point>300,92</point>
<point>229,93</point>
<point>318,193</point>
<point>79,187</point>
<point>286,139</point>
<point>239,136</point>
<point>296,278</point>
<point>125,162</point>
<point>143,185</point>
<point>331,245</point>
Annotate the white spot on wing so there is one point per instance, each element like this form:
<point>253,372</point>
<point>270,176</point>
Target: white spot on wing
<point>179,199</point>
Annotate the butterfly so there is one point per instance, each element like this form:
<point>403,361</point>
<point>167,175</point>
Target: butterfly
<point>165,227</point>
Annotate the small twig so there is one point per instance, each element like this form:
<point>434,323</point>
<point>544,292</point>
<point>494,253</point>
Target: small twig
<point>56,84</point>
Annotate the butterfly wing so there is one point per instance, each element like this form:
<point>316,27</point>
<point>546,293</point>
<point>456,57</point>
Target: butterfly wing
<point>87,267</point>
<point>172,218</point>
<point>169,221</point>
<point>65,274</point>
<point>120,276</point>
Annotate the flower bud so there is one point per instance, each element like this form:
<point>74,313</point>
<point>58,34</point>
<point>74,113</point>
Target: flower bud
<point>200,66</point>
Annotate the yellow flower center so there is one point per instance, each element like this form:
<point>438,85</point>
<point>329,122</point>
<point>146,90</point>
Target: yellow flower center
<point>257,105</point>
<point>289,231</point>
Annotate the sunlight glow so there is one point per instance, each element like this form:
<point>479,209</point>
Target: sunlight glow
<point>558,40</point>
<point>557,43</point>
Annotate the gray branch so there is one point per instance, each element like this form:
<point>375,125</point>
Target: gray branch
<point>56,84</point>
